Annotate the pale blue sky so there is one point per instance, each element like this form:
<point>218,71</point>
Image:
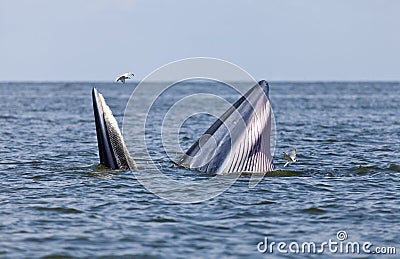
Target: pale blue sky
<point>46,40</point>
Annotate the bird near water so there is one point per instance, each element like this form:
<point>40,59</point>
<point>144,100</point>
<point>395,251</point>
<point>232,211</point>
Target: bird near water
<point>125,76</point>
<point>290,159</point>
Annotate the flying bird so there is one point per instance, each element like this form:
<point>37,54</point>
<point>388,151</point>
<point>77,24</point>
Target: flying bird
<point>290,159</point>
<point>124,76</point>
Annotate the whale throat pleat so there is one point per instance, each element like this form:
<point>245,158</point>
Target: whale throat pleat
<point>239,141</point>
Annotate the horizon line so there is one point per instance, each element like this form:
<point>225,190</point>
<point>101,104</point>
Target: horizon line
<point>163,81</point>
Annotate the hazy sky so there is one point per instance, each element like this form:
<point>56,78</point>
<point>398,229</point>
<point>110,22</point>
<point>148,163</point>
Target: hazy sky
<point>45,40</point>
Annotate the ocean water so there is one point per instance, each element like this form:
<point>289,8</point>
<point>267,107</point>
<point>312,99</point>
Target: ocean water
<point>57,202</point>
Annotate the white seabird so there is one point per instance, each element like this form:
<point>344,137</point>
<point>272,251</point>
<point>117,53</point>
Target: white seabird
<point>290,159</point>
<point>122,78</point>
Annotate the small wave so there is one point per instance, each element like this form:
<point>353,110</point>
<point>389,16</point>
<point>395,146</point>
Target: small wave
<point>33,162</point>
<point>366,170</point>
<point>8,117</point>
<point>284,173</point>
<point>97,170</point>
<point>321,140</point>
<point>162,220</point>
<point>59,209</point>
<point>265,202</point>
<point>394,168</point>
<point>57,256</point>
<point>276,173</point>
<point>314,210</point>
<point>363,170</point>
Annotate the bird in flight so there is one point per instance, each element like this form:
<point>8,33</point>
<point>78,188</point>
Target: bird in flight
<point>124,76</point>
<point>290,159</point>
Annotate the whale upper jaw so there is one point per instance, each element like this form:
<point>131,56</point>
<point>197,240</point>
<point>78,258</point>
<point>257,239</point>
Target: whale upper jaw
<point>112,150</point>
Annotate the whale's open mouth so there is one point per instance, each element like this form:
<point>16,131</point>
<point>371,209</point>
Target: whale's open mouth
<point>112,149</point>
<point>239,141</point>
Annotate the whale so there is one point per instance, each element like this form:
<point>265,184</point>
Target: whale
<point>111,146</point>
<point>238,141</point>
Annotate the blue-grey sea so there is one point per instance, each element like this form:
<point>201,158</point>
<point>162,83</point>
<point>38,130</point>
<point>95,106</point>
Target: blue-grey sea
<point>57,202</point>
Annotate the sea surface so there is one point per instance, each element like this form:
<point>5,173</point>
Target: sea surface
<point>57,202</point>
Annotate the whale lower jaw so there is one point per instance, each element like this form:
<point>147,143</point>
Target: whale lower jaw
<point>112,149</point>
<point>239,141</point>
